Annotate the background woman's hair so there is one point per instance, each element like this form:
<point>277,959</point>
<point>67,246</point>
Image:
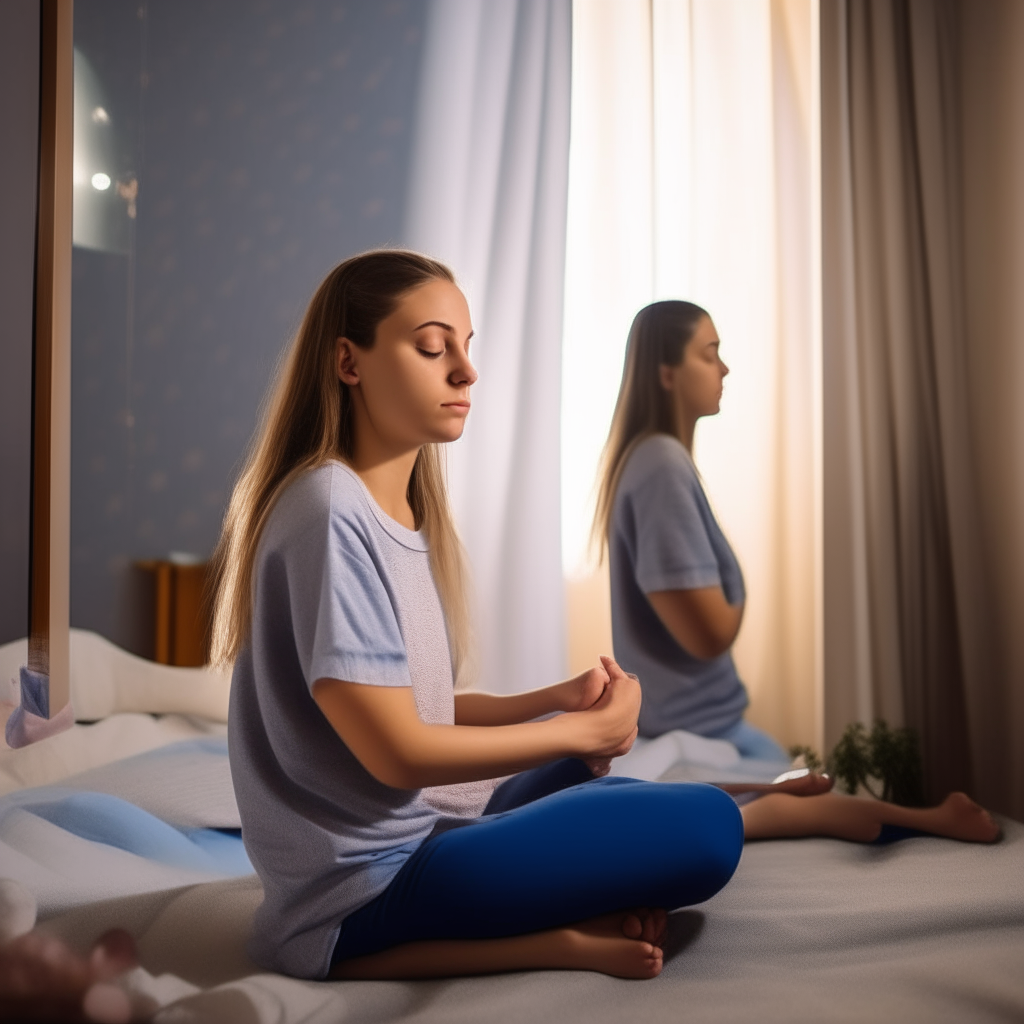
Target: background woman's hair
<point>307,420</point>
<point>658,337</point>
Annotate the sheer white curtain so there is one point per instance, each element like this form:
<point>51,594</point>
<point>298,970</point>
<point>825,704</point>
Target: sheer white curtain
<point>488,195</point>
<point>693,175</point>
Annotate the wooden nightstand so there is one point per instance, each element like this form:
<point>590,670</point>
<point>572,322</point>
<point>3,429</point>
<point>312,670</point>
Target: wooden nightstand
<point>181,626</point>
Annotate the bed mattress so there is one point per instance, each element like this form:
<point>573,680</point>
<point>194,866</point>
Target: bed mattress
<point>923,929</point>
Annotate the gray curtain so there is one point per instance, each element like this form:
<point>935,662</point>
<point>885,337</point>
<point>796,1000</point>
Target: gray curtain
<point>906,634</point>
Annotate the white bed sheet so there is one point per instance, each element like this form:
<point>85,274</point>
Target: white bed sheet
<point>811,930</point>
<point>924,930</point>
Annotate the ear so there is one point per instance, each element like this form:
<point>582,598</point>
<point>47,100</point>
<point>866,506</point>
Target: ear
<point>667,376</point>
<point>345,362</point>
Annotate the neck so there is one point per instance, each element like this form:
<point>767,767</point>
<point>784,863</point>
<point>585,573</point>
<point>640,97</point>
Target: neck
<point>385,469</point>
<point>686,425</point>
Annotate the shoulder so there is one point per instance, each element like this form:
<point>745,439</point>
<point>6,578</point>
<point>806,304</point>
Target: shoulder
<point>657,457</point>
<point>327,495</point>
<point>321,491</point>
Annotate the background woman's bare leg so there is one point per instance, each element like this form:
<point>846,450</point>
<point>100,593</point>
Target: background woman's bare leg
<point>780,815</point>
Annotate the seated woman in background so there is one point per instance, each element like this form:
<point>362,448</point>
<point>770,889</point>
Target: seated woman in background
<point>677,592</point>
<point>676,586</point>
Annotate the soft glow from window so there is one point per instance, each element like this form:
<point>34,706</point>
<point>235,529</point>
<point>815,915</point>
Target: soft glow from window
<point>691,177</point>
<point>101,181</point>
<point>100,116</point>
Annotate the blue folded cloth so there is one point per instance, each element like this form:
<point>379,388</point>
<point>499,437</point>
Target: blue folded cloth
<point>102,818</point>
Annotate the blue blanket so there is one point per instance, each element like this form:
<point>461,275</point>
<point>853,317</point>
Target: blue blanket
<point>101,818</point>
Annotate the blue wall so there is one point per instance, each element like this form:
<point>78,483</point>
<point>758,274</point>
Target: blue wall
<point>270,140</point>
<point>19,114</point>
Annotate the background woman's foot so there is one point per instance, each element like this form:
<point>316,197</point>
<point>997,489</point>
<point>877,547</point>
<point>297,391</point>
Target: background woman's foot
<point>801,782</point>
<point>624,945</point>
<point>959,817</point>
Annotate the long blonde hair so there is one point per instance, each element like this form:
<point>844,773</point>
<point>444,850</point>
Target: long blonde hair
<point>307,421</point>
<point>658,337</point>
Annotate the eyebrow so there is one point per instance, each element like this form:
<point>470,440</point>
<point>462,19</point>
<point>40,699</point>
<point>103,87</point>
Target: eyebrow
<point>442,325</point>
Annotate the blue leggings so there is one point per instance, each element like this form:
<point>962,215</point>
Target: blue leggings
<point>555,846</point>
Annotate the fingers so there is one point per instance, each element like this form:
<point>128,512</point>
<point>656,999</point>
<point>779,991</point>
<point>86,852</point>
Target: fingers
<point>37,962</point>
<point>113,954</point>
<point>107,1004</point>
<point>42,978</point>
<point>616,677</point>
<point>614,669</point>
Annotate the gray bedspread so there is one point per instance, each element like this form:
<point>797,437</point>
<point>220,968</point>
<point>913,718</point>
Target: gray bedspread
<point>809,930</point>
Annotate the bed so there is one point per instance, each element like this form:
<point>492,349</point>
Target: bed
<point>129,821</point>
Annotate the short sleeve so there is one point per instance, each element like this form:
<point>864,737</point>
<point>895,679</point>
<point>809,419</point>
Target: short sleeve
<point>343,615</point>
<point>673,548</point>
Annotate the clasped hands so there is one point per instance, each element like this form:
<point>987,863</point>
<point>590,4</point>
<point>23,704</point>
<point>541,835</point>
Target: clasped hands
<point>607,701</point>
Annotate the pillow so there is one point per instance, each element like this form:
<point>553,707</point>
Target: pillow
<point>106,680</point>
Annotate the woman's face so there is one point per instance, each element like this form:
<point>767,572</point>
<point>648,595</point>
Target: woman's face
<point>696,382</point>
<point>413,384</point>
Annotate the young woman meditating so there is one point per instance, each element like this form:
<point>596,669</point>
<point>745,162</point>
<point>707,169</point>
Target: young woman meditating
<point>677,590</point>
<point>368,786</point>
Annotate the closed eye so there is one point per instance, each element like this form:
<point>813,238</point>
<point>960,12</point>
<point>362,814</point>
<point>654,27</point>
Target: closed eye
<point>429,354</point>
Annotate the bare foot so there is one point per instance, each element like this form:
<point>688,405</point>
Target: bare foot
<point>647,923</point>
<point>959,817</point>
<point>42,979</point>
<point>799,782</point>
<point>615,944</point>
<point>803,784</point>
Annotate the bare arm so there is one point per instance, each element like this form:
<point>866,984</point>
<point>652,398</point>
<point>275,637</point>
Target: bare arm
<point>474,707</point>
<point>380,725</point>
<point>701,620</point>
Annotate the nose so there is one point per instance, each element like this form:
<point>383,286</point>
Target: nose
<point>464,374</point>
<point>725,368</point>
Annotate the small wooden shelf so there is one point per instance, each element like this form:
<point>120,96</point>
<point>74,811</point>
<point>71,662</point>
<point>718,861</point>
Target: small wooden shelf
<point>181,630</point>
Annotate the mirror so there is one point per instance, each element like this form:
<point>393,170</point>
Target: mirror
<point>226,157</point>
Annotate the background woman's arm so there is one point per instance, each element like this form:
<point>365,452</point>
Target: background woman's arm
<point>702,621</point>
<point>382,728</point>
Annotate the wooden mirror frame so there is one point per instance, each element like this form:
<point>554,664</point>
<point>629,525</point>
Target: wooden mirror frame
<point>50,544</point>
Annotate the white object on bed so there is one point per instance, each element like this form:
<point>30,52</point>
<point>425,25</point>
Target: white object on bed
<point>649,759</point>
<point>106,680</point>
<point>84,747</point>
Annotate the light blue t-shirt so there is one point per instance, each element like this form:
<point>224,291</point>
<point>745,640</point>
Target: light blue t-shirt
<point>342,591</point>
<point>664,536</point>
